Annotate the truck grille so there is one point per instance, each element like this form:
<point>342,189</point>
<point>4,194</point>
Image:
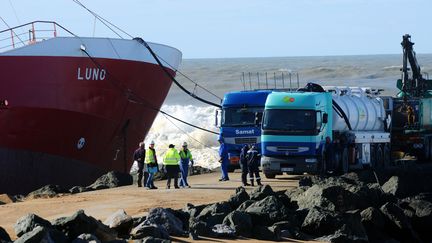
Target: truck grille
<point>245,140</point>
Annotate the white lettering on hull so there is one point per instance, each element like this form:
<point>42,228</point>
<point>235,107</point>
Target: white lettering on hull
<point>91,74</point>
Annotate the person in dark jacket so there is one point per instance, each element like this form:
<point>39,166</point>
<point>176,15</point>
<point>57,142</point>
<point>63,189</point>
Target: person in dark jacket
<point>139,157</point>
<point>253,160</point>
<point>244,164</point>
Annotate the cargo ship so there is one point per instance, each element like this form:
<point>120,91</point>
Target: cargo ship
<point>73,108</point>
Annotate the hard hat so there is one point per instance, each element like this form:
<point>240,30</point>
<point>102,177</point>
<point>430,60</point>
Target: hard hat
<point>171,146</point>
<point>152,142</point>
<point>184,144</point>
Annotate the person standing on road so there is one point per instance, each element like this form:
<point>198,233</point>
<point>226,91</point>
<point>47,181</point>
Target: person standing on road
<point>244,165</point>
<point>223,154</point>
<point>152,165</point>
<point>185,158</point>
<point>253,160</point>
<point>139,156</point>
<point>171,163</point>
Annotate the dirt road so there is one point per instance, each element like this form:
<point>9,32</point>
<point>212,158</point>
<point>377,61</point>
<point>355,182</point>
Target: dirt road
<point>135,201</point>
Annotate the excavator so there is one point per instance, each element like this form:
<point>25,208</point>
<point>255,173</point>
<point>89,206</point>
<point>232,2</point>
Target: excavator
<point>411,110</point>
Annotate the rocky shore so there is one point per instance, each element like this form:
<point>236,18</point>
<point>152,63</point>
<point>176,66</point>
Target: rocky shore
<point>355,207</point>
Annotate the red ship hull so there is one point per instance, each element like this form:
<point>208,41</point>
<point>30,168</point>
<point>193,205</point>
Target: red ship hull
<point>72,118</point>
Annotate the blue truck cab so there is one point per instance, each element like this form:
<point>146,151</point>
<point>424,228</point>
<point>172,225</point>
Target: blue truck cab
<point>294,129</point>
<point>238,124</point>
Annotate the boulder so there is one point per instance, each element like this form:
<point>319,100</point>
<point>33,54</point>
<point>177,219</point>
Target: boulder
<point>79,189</point>
<point>238,198</point>
<point>422,218</point>
<point>110,180</point>
<point>340,237</point>
<point>240,221</point>
<point>79,223</point>
<point>321,222</point>
<point>305,181</point>
<point>272,233</point>
<point>42,234</point>
<point>28,222</point>
<point>285,200</point>
<point>261,192</point>
<point>166,219</point>
<point>4,236</point>
<point>145,230</point>
<point>183,216</point>
<point>396,186</point>
<point>374,222</point>
<point>138,220</point>
<point>86,238</point>
<point>197,227</point>
<point>223,231</point>
<point>150,239</point>
<point>120,222</point>
<point>193,210</point>
<point>245,205</point>
<point>214,213</point>
<point>47,191</point>
<point>397,224</point>
<point>267,211</point>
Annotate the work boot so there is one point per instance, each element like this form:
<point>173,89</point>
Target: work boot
<point>259,183</point>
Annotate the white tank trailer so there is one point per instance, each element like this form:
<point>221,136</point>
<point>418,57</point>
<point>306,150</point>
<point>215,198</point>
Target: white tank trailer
<point>367,143</point>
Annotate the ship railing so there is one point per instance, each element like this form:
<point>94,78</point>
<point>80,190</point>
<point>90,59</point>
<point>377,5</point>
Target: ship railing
<point>30,33</point>
<point>280,80</point>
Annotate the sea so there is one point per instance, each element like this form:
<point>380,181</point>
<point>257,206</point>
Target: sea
<point>212,78</point>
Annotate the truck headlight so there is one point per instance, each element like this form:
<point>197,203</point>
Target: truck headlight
<point>311,160</point>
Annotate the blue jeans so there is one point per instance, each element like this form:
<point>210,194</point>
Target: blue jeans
<point>184,169</point>
<point>224,170</point>
<point>151,171</point>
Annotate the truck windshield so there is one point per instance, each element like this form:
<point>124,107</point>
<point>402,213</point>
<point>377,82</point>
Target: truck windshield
<point>289,122</point>
<point>240,116</point>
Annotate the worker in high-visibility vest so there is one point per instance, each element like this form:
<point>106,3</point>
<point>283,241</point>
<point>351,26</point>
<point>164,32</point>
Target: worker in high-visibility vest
<point>171,163</point>
<point>185,158</point>
<point>151,165</point>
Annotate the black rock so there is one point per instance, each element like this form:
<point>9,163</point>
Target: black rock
<point>223,231</point>
<point>154,240</point>
<point>79,189</point>
<point>245,205</point>
<point>111,179</point>
<point>166,219</point>
<point>268,211</point>
<point>321,222</point>
<point>86,238</point>
<point>352,228</point>
<point>238,198</point>
<point>240,221</point>
<point>138,220</point>
<point>80,223</point>
<point>305,181</point>
<point>214,213</point>
<point>197,228</point>
<point>374,222</point>
<point>184,216</point>
<point>153,230</point>
<point>120,222</point>
<point>47,191</point>
<point>340,237</point>
<point>397,224</point>
<point>272,233</point>
<point>422,218</point>
<point>28,222</point>
<point>4,236</point>
<point>261,192</point>
<point>42,234</point>
<point>193,210</point>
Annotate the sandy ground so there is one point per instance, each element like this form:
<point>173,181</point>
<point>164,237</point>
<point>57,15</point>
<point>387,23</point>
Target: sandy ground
<point>134,200</point>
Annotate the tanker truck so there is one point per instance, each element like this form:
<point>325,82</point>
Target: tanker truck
<point>297,125</point>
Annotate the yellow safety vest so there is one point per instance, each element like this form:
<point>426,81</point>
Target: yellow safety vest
<point>186,155</point>
<point>150,156</point>
<point>172,157</point>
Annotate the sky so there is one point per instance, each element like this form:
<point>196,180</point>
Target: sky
<point>245,28</point>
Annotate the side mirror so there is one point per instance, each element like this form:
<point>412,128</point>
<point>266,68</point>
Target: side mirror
<point>258,118</point>
<point>217,120</point>
<point>325,118</point>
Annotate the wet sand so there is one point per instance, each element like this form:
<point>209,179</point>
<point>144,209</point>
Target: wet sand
<point>135,201</point>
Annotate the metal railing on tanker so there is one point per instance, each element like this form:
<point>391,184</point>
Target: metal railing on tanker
<point>30,33</point>
<point>281,80</point>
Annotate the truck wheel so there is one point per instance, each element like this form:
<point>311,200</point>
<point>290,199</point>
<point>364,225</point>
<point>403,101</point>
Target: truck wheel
<point>270,176</point>
<point>344,161</point>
